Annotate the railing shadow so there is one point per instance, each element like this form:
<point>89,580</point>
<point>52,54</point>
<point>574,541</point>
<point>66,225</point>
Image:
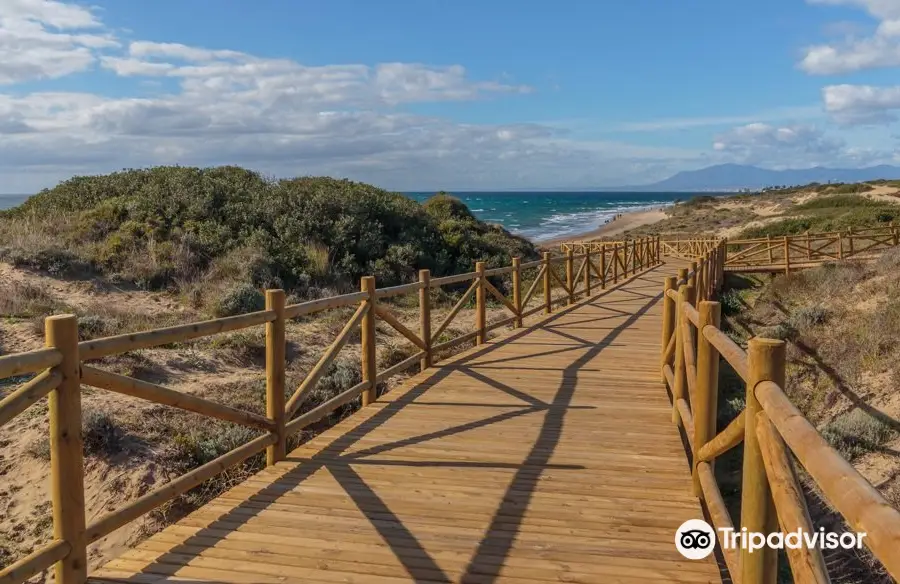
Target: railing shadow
<point>844,388</point>
<point>495,546</point>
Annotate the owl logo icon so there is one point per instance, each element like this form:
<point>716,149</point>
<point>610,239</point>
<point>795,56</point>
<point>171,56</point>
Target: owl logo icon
<point>695,539</point>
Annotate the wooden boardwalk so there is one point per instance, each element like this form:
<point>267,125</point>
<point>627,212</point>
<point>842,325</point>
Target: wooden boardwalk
<point>545,455</point>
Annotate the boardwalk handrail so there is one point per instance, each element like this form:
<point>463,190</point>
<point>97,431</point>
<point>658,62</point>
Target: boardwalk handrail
<point>771,429</point>
<point>790,252</point>
<point>61,371</point>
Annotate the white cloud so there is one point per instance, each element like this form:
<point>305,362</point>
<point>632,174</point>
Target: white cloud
<point>228,107</point>
<point>881,49</point>
<point>43,39</point>
<point>778,114</point>
<point>209,106</point>
<point>792,146</point>
<point>862,104</point>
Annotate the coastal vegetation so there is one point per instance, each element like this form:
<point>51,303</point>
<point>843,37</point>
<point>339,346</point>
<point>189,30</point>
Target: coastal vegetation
<point>782,211</point>
<point>143,249</point>
<point>841,323</point>
<point>190,229</point>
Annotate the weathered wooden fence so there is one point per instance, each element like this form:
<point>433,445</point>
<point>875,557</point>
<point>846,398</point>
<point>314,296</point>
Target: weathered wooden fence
<point>793,252</point>
<point>773,432</point>
<point>62,368</point>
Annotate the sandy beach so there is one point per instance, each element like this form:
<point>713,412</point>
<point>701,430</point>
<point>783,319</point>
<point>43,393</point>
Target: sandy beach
<point>625,222</point>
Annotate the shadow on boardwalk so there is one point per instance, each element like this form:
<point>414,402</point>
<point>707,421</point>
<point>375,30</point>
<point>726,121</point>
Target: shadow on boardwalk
<point>503,527</point>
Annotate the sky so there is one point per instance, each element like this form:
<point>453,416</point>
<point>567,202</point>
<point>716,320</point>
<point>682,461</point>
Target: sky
<point>433,94</point>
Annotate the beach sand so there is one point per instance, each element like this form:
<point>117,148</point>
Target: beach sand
<point>623,223</point>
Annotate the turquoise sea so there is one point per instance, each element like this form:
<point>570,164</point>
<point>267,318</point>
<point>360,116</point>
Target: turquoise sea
<point>548,214</point>
<point>536,215</point>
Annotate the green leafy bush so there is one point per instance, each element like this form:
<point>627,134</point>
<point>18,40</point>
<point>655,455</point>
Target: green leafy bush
<point>239,300</point>
<point>171,226</point>
<point>856,433</point>
<point>837,201</point>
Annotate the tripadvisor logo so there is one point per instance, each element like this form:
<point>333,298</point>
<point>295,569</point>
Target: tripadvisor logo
<point>696,539</point>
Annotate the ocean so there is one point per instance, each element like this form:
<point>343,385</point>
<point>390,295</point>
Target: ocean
<point>547,215</point>
<point>536,215</point>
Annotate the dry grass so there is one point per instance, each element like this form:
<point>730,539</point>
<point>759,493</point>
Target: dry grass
<point>132,446</point>
<point>842,326</point>
<point>778,212</point>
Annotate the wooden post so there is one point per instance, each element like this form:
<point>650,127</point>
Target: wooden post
<point>769,246</point>
<point>707,387</point>
<point>570,276</point>
<point>548,300</point>
<point>615,261</point>
<point>66,450</point>
<point>603,266</point>
<point>766,363</point>
<point>668,328</point>
<point>517,291</point>
<point>685,295</point>
<point>893,234</point>
<point>425,315</point>
<point>587,273</point>
<point>787,255</point>
<point>367,342</point>
<point>701,280</point>
<point>275,376</point>
<point>634,262</point>
<point>849,242</point>
<point>722,261</point>
<point>840,245</point>
<point>692,278</point>
<point>808,248</point>
<point>480,308</point>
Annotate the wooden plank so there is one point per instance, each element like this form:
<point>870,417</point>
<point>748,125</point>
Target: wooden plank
<point>543,455</point>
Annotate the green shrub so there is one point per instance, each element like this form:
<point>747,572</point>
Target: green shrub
<point>782,331</point>
<point>53,260</point>
<point>241,299</point>
<point>731,302</point>
<point>856,433</point>
<point>808,317</point>
<point>39,449</point>
<point>102,436</point>
<point>207,442</point>
<point>837,201</point>
<point>166,226</point>
<point>93,326</point>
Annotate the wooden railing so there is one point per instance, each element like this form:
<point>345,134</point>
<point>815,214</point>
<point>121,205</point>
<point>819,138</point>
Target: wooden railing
<point>688,249</point>
<point>772,430</point>
<point>61,370</point>
<point>593,246</point>
<point>783,254</point>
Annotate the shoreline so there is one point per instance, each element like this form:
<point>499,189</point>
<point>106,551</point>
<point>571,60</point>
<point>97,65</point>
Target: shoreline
<point>626,221</point>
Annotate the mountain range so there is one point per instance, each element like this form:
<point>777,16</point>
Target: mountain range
<point>737,177</point>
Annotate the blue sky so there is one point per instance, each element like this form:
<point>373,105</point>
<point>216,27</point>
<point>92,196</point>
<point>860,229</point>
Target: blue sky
<point>428,94</point>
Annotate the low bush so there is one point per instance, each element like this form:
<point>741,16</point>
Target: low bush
<point>102,436</point>
<point>175,226</point>
<point>808,317</point>
<point>837,202</point>
<point>856,433</point>
<point>24,300</point>
<point>240,299</point>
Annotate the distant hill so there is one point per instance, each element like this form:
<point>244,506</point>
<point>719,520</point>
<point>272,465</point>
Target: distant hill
<point>735,177</point>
